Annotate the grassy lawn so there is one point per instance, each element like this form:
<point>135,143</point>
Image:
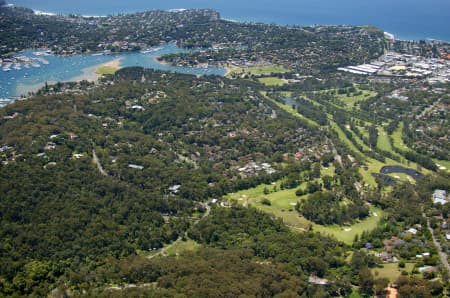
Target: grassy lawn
<point>391,271</point>
<point>106,70</point>
<point>364,131</point>
<point>443,163</point>
<point>285,93</point>
<point>397,138</point>
<point>347,234</point>
<point>384,142</point>
<point>374,166</point>
<point>272,81</point>
<point>402,177</point>
<point>264,70</point>
<point>355,294</point>
<point>351,100</point>
<point>257,71</point>
<point>344,138</point>
<point>183,246</point>
<point>359,141</point>
<point>328,171</point>
<point>283,206</point>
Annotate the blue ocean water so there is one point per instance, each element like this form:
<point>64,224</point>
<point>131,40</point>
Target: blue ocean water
<point>407,19</point>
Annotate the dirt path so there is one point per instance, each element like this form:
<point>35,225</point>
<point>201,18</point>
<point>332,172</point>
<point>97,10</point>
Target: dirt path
<point>97,162</point>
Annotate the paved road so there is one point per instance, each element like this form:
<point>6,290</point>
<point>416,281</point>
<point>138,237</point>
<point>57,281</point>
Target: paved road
<point>442,255</point>
<point>163,250</point>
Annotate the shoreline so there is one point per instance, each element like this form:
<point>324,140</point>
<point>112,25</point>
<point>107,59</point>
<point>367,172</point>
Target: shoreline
<point>92,73</point>
<point>411,36</point>
<point>88,74</point>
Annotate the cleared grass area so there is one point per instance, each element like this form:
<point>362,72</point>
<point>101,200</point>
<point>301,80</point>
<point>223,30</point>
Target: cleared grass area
<point>285,93</point>
<point>272,81</point>
<point>281,200</point>
<point>355,294</point>
<point>344,138</point>
<point>402,177</point>
<point>392,271</point>
<point>383,141</point>
<point>106,70</point>
<point>372,165</point>
<point>364,131</point>
<point>397,138</point>
<point>358,140</point>
<point>350,101</point>
<point>264,70</point>
<point>183,246</point>
<point>443,164</point>
<point>282,205</point>
<point>328,171</point>
<point>347,234</point>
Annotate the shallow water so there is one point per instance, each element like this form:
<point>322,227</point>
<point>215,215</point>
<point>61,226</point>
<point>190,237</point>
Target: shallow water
<point>68,68</point>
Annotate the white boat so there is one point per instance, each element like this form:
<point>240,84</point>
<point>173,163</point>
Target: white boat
<point>36,65</point>
<point>150,50</point>
<point>43,53</point>
<point>97,54</point>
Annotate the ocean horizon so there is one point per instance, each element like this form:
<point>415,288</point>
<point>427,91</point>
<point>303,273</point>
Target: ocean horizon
<point>406,19</point>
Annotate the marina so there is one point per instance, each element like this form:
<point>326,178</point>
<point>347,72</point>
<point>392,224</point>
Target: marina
<point>30,70</point>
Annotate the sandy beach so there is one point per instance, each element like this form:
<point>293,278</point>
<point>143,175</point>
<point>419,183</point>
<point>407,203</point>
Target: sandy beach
<point>92,73</point>
<point>89,74</point>
<point>111,64</point>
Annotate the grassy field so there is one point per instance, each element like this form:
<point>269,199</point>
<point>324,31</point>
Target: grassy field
<point>391,271</point>
<point>347,234</point>
<point>344,138</point>
<point>363,131</point>
<point>106,70</point>
<point>443,163</point>
<point>384,142</point>
<point>285,93</point>
<point>272,81</point>
<point>282,205</point>
<point>328,171</point>
<point>350,101</point>
<point>359,141</point>
<point>264,70</point>
<point>397,138</point>
<point>372,165</point>
<point>403,177</point>
<point>183,246</point>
